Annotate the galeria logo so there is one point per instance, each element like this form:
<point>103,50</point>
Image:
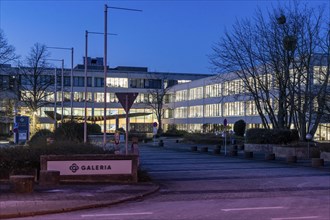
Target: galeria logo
<point>74,167</point>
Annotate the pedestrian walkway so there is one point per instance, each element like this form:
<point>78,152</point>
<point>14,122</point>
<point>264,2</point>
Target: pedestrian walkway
<point>68,198</point>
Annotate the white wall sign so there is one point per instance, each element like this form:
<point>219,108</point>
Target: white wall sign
<point>91,167</point>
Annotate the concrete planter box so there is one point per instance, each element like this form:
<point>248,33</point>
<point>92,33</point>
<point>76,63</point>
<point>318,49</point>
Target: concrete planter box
<point>204,149</point>
<point>269,156</point>
<point>194,148</point>
<point>325,156</point>
<point>279,150</point>
<point>233,153</point>
<point>21,183</point>
<point>291,159</point>
<point>248,154</point>
<point>216,150</point>
<point>317,162</point>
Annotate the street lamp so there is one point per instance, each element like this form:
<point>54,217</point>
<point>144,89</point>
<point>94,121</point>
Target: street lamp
<point>55,97</point>
<point>85,105</point>
<point>105,64</point>
<point>71,77</point>
<point>308,138</point>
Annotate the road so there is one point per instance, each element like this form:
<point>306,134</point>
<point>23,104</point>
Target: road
<point>210,187</point>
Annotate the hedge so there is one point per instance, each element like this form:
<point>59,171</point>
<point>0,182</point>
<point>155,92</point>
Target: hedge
<point>271,136</point>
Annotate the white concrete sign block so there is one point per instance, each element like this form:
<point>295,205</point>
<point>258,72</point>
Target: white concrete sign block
<point>91,167</point>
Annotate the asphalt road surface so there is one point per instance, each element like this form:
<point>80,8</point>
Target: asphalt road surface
<point>200,186</point>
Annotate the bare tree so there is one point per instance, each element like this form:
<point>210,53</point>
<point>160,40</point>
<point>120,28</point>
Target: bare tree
<point>274,57</point>
<point>156,99</point>
<point>7,52</point>
<point>36,82</point>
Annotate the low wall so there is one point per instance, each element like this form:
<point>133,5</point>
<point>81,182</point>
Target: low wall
<point>92,167</point>
<point>278,150</point>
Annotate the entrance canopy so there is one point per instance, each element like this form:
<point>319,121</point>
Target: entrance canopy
<point>50,114</point>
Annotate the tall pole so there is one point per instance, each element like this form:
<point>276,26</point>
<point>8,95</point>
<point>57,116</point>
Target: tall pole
<point>71,84</point>
<point>62,88</point>
<point>126,141</point>
<point>55,101</point>
<point>85,121</point>
<point>105,64</point>
<point>105,74</point>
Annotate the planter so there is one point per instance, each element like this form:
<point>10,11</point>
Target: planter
<point>193,148</point>
<point>233,153</point>
<point>291,159</point>
<point>241,147</point>
<point>21,183</point>
<point>325,156</point>
<point>217,150</point>
<point>204,149</point>
<point>248,154</point>
<point>317,162</point>
<point>270,157</point>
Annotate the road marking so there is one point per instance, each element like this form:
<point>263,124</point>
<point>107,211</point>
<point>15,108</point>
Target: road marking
<point>117,214</point>
<point>290,218</point>
<point>252,208</point>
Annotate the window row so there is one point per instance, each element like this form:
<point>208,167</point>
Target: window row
<point>214,110</point>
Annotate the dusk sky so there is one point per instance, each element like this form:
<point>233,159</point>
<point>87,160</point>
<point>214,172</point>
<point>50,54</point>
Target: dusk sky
<point>168,36</point>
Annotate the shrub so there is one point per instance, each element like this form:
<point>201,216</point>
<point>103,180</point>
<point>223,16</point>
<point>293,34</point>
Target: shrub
<point>72,131</point>
<point>173,132</point>
<point>40,137</point>
<point>268,136</point>
<point>239,128</point>
<point>199,138</point>
<point>24,157</point>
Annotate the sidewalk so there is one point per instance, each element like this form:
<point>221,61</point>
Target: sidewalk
<point>69,197</point>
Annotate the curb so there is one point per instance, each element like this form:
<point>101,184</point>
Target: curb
<point>77,208</point>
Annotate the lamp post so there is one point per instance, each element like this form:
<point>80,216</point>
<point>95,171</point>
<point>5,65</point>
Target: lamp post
<point>85,84</point>
<point>105,65</point>
<point>55,97</point>
<point>308,138</point>
<point>71,76</point>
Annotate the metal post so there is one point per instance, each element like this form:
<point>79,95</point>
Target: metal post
<point>105,75</point>
<point>55,101</point>
<point>126,107</point>
<point>85,118</point>
<point>71,83</point>
<point>62,88</point>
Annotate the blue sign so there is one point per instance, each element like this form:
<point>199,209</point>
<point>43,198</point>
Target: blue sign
<point>21,129</point>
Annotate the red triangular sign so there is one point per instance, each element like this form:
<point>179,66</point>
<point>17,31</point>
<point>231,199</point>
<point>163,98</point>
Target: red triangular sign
<point>126,99</point>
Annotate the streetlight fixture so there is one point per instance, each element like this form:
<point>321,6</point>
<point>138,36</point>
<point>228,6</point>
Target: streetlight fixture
<point>71,77</point>
<point>105,64</point>
<point>308,138</point>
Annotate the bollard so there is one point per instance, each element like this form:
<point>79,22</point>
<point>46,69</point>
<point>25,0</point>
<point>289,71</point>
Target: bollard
<point>204,149</point>
<point>270,156</point>
<point>194,148</point>
<point>291,159</point>
<point>248,154</point>
<point>317,162</point>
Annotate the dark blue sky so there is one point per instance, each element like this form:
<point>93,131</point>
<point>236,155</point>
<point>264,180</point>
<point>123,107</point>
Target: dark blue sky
<point>168,36</point>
